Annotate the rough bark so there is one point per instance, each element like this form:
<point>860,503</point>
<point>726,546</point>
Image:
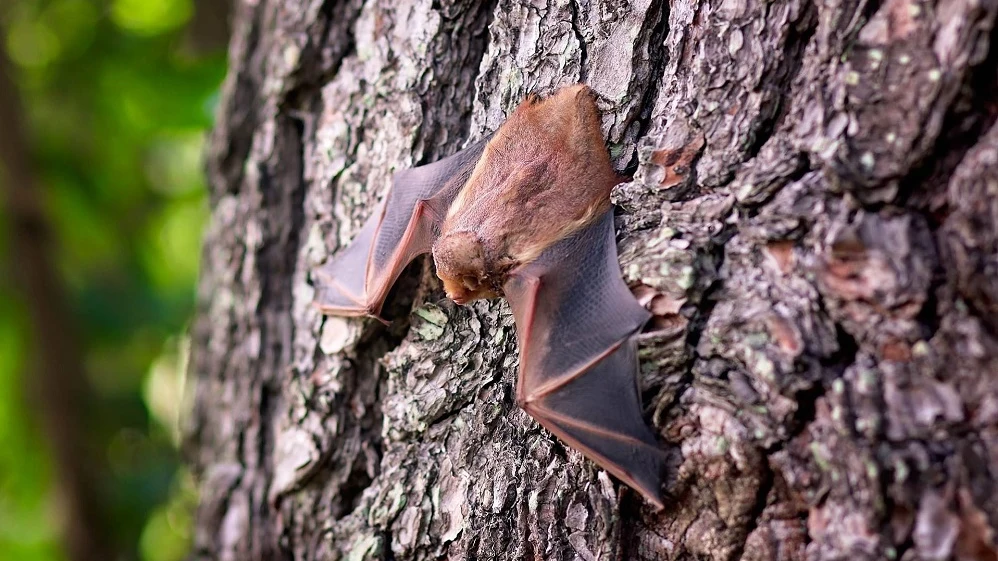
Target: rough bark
<point>812,218</point>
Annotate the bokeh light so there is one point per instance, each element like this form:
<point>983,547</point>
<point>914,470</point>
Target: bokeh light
<point>117,102</point>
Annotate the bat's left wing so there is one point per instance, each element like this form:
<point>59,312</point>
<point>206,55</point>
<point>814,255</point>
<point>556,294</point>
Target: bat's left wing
<point>356,281</point>
<point>575,319</point>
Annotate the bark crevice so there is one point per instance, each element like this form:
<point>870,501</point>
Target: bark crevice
<point>810,218</point>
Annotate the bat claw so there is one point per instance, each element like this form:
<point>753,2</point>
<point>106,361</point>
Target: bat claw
<point>547,220</point>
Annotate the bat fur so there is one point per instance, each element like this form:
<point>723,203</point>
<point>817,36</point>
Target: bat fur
<point>525,214</point>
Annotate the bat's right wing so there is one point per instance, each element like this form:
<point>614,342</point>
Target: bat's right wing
<point>575,319</point>
<point>357,279</point>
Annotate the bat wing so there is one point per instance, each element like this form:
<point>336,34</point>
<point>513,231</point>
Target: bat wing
<point>357,279</point>
<point>575,319</point>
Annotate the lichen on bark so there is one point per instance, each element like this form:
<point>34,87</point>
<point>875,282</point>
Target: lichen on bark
<point>810,217</point>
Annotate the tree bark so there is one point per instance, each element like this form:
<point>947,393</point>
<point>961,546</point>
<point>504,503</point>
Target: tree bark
<point>812,219</point>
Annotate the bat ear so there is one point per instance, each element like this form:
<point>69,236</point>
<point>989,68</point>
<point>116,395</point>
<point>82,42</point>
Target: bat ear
<point>457,252</point>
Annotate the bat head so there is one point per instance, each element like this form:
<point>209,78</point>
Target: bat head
<point>461,265</point>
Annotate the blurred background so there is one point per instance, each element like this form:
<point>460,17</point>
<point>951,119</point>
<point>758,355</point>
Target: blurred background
<point>104,108</point>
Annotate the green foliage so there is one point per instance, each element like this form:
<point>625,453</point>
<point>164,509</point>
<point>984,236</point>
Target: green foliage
<point>117,106</point>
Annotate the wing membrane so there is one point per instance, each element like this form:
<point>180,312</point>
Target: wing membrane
<point>575,319</point>
<point>357,279</point>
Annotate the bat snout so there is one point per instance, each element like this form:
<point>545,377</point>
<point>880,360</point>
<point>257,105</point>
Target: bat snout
<point>465,288</point>
<point>459,299</point>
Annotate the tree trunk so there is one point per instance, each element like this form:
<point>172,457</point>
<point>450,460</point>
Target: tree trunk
<point>813,218</point>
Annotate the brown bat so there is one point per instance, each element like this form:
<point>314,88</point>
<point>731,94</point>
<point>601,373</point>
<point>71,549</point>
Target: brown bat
<point>525,215</point>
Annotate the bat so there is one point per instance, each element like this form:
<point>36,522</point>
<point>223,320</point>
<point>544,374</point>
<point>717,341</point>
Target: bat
<point>525,214</point>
